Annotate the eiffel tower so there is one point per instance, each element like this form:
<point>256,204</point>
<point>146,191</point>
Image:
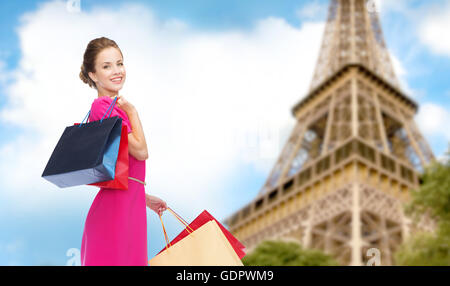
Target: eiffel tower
<point>342,178</point>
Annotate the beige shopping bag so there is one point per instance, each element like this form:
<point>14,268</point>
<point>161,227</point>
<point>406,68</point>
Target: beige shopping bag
<point>205,246</point>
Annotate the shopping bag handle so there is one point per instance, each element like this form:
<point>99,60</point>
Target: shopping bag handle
<point>87,116</point>
<point>110,106</point>
<point>108,111</point>
<point>180,219</point>
<point>165,233</point>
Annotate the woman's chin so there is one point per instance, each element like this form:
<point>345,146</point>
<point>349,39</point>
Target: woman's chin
<point>115,88</point>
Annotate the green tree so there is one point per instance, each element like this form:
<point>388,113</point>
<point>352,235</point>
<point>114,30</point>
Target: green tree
<point>280,253</point>
<point>424,249</point>
<point>432,198</point>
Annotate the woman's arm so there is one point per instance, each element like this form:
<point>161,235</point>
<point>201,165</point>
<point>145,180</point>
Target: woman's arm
<point>137,145</point>
<point>156,204</point>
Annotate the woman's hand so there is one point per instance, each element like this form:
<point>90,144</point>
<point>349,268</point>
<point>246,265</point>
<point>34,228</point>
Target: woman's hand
<point>123,104</point>
<point>155,203</point>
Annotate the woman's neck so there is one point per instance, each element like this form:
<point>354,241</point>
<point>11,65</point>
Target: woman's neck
<point>107,93</point>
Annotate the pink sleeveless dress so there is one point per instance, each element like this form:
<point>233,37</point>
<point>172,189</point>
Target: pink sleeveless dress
<point>115,231</point>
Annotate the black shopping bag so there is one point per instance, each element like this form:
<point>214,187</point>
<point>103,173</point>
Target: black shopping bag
<point>85,153</point>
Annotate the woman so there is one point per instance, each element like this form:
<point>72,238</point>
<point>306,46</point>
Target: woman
<point>115,232</point>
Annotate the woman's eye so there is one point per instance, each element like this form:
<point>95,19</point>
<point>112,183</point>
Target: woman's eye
<point>120,64</point>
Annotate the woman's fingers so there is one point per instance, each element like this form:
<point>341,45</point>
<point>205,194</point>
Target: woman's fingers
<point>162,208</point>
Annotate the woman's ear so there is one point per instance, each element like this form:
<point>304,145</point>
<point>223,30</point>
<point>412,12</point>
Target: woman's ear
<point>92,76</point>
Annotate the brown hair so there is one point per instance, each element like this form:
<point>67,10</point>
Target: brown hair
<point>90,55</point>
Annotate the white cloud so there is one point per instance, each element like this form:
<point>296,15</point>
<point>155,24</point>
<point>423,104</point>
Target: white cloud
<point>5,76</point>
<point>206,99</point>
<point>433,120</point>
<point>398,66</point>
<point>313,10</point>
<point>402,75</point>
<point>433,30</point>
<point>385,6</point>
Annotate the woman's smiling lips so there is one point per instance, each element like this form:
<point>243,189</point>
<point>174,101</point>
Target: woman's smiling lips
<point>117,79</point>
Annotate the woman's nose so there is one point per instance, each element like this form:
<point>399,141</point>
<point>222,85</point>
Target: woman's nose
<point>117,70</point>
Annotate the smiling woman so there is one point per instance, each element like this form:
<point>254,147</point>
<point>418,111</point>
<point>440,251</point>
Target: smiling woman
<point>88,68</point>
<point>115,232</point>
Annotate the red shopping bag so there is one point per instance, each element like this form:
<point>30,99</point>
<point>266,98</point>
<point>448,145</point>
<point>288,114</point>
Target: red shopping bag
<point>200,220</point>
<point>121,173</point>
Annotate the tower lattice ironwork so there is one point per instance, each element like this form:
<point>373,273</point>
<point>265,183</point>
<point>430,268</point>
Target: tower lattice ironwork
<point>354,154</point>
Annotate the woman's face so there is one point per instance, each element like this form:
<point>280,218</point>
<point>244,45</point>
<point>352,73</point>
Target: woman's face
<point>110,72</point>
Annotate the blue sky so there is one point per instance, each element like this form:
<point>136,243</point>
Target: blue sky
<point>273,45</point>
